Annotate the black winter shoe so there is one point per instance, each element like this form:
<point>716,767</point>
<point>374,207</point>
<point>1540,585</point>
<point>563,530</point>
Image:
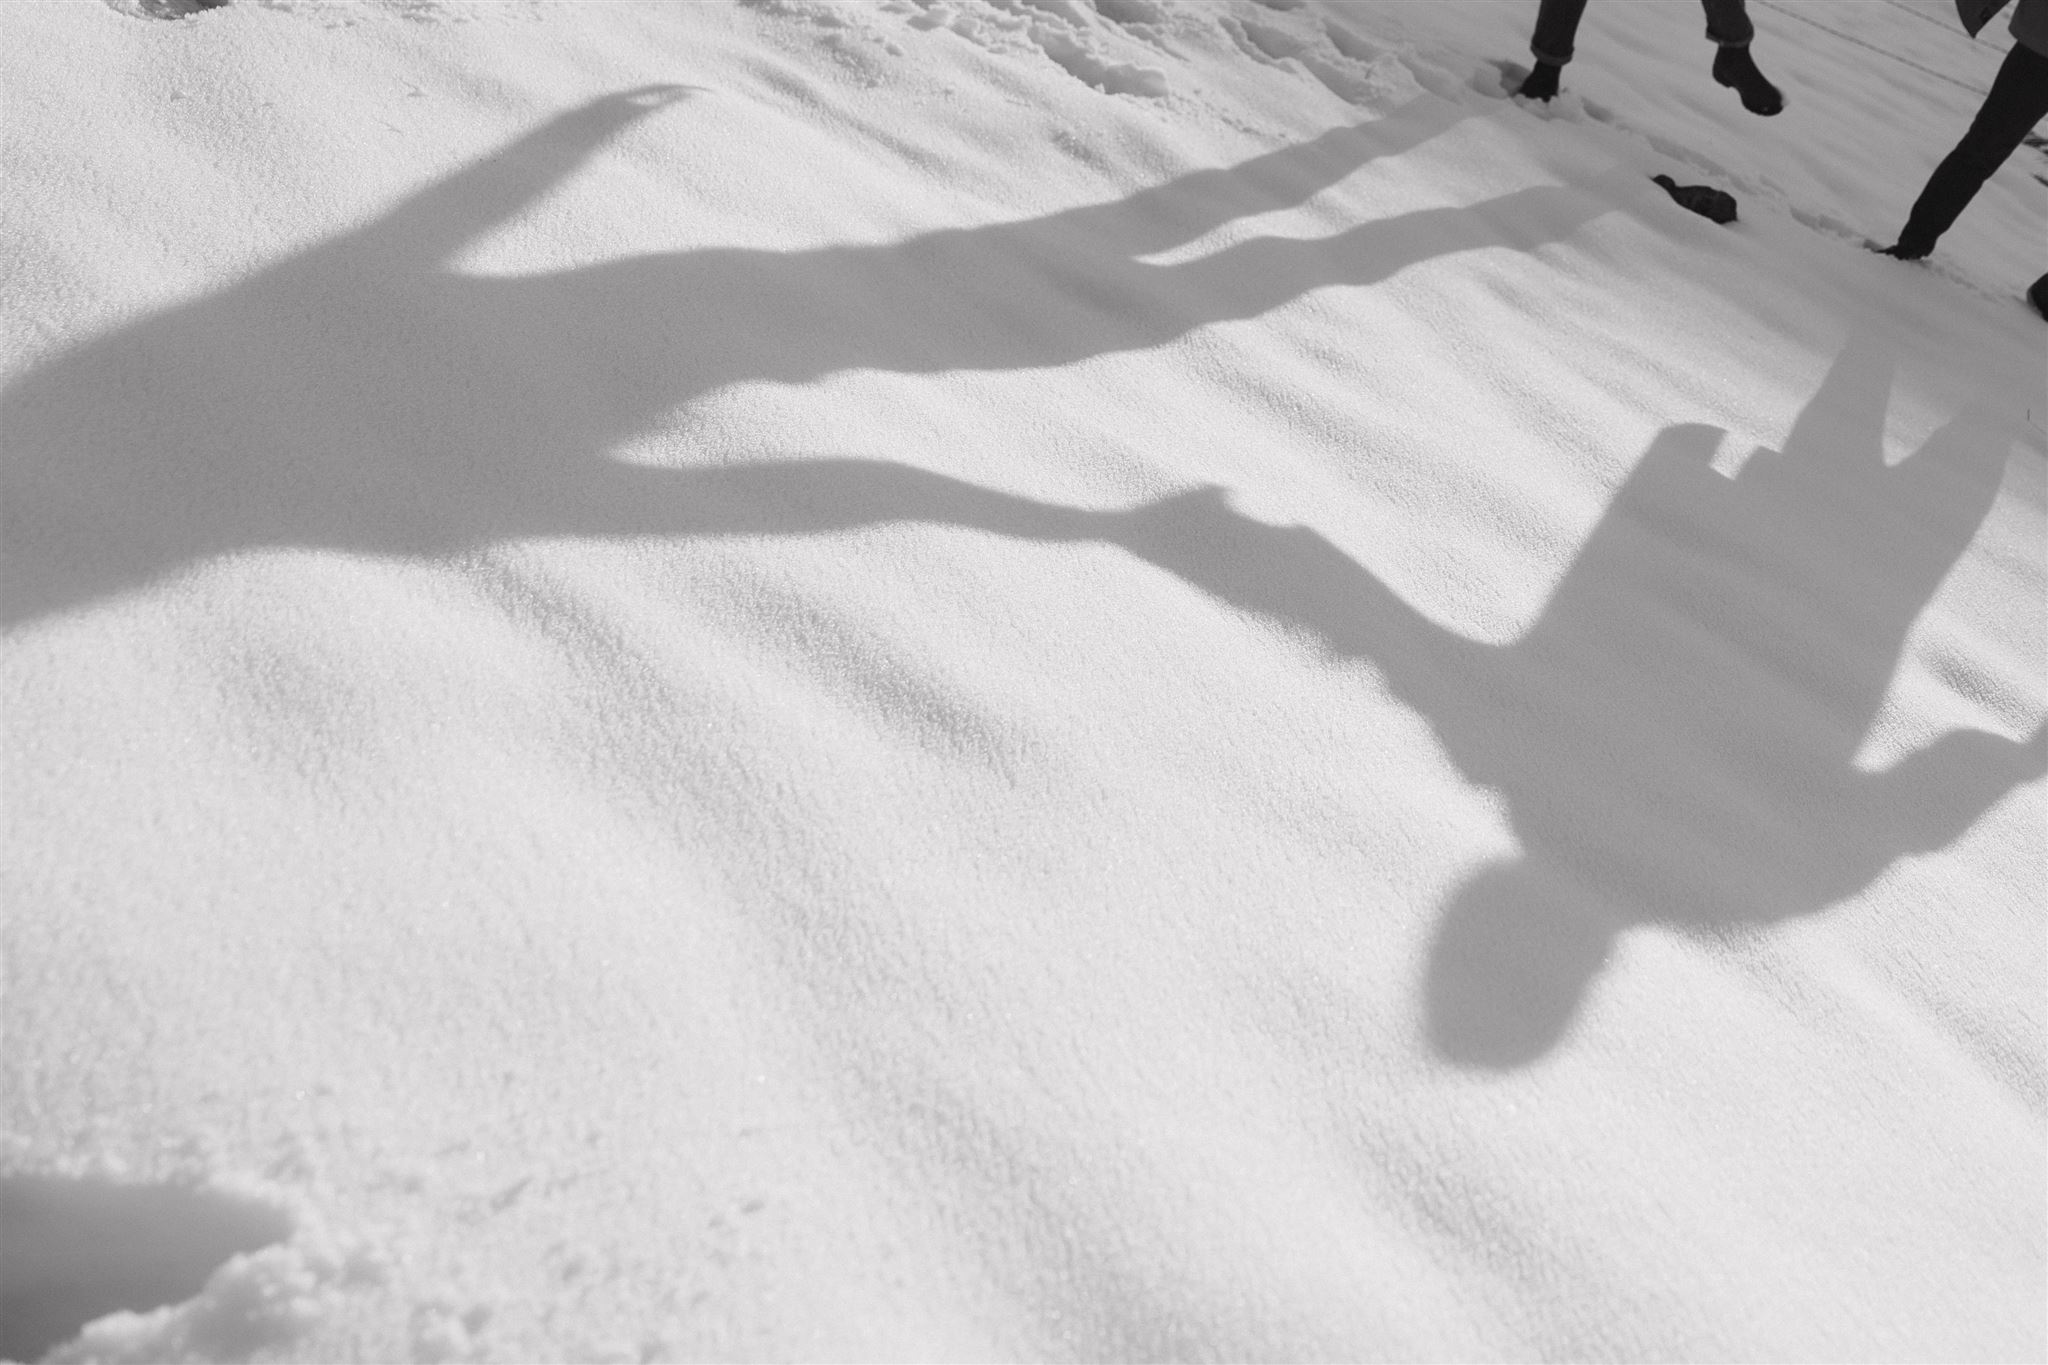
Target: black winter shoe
<point>2037,294</point>
<point>1736,69</point>
<point>1540,83</point>
<point>1704,200</point>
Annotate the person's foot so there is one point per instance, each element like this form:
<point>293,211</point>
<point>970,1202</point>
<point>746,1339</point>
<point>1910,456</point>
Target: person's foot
<point>1735,68</point>
<point>2037,295</point>
<point>1540,83</point>
<point>1899,251</point>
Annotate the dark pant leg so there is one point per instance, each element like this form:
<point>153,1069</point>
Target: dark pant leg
<point>1557,23</point>
<point>1728,22</point>
<point>2018,100</point>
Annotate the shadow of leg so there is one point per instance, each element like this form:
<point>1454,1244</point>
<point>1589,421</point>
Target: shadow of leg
<point>1511,963</point>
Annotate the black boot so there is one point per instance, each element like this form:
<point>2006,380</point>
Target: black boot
<point>2037,294</point>
<point>1541,82</point>
<point>1735,68</point>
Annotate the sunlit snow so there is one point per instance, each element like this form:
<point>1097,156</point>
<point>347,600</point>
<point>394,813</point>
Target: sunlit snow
<point>1014,679</point>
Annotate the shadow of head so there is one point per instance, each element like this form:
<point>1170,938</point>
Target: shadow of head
<point>1512,959</point>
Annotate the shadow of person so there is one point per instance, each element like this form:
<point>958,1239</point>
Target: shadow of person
<point>1674,737</point>
<point>1676,734</point>
<point>364,395</point>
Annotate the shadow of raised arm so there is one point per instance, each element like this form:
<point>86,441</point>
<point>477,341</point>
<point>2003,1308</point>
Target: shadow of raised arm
<point>1290,575</point>
<point>1931,797</point>
<point>1295,577</point>
<point>428,227</point>
<point>1177,211</point>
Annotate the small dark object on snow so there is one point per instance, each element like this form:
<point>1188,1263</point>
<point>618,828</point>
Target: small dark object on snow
<point>1704,200</point>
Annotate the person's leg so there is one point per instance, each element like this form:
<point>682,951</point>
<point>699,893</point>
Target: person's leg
<point>2018,100</point>
<point>1557,23</point>
<point>1730,30</point>
<point>1728,22</point>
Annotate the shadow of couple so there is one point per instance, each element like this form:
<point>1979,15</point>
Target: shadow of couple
<point>1673,736</point>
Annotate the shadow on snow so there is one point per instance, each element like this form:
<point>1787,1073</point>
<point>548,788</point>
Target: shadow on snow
<point>362,396</point>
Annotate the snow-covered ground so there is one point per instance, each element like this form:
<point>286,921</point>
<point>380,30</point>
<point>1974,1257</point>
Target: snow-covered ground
<point>1071,679</point>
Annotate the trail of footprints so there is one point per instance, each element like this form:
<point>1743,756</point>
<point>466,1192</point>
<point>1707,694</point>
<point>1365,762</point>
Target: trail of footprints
<point>1117,46</point>
<point>1111,45</point>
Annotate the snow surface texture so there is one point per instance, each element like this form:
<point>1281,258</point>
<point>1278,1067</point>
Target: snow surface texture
<point>1077,679</point>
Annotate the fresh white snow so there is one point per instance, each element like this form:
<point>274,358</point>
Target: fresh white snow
<point>1022,679</point>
